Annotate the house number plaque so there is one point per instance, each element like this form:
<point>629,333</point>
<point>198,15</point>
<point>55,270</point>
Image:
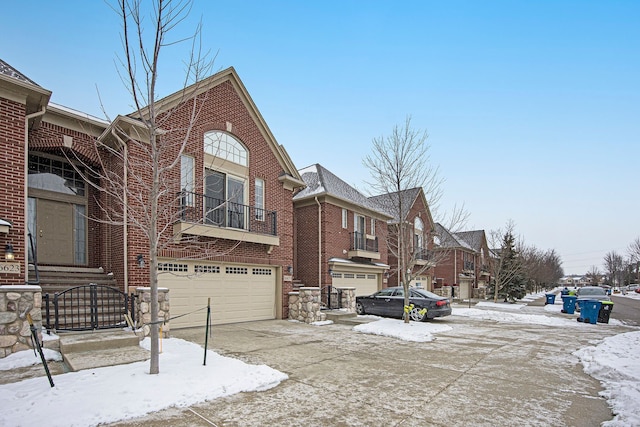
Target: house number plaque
<point>10,267</point>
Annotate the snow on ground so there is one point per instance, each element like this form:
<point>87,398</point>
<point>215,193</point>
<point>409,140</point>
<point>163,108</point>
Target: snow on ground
<point>183,379</point>
<point>615,363</point>
<point>22,359</point>
<point>396,328</point>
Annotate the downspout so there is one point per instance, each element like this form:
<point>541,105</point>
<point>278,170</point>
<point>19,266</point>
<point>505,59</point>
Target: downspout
<point>319,245</point>
<point>125,229</point>
<point>455,267</point>
<point>26,187</point>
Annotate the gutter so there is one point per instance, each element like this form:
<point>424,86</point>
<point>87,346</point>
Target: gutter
<point>319,245</point>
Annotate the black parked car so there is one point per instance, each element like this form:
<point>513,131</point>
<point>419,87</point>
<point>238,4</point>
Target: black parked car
<point>390,302</point>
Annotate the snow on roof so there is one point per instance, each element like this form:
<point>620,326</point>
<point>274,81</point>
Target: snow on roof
<point>320,180</point>
<point>9,71</point>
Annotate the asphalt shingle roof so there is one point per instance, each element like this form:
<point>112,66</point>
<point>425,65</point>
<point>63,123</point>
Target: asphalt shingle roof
<point>8,70</point>
<point>389,203</point>
<point>320,181</point>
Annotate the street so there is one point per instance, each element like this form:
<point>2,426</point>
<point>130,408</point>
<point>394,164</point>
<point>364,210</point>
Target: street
<point>626,310</point>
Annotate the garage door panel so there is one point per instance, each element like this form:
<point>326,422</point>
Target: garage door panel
<point>365,283</point>
<point>234,297</point>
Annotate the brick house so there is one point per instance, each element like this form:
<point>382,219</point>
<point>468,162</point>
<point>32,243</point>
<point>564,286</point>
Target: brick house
<point>340,236</point>
<point>227,210</point>
<point>464,266</point>
<point>411,207</point>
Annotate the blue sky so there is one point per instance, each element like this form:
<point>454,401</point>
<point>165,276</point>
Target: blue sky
<point>532,108</point>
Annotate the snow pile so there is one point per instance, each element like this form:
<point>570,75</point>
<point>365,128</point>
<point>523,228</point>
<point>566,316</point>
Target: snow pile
<point>412,331</point>
<point>128,391</point>
<point>22,359</point>
<point>615,363</point>
<point>530,319</point>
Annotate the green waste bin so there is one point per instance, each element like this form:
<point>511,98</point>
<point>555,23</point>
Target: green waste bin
<point>605,311</point>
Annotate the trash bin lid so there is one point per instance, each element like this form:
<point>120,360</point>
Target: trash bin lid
<point>607,302</point>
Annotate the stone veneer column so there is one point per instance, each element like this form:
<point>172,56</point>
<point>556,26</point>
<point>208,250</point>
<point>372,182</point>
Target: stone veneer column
<point>15,302</point>
<point>348,299</point>
<point>304,305</point>
<point>143,309</point>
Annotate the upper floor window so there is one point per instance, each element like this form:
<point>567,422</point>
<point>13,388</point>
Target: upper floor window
<point>259,193</point>
<point>225,146</point>
<point>344,218</point>
<point>373,226</point>
<point>418,230</point>
<point>187,179</point>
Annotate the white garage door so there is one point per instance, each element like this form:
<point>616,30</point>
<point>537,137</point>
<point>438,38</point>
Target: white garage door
<point>239,293</point>
<point>365,283</point>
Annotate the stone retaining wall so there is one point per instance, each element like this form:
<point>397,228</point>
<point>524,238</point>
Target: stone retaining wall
<point>304,305</point>
<point>15,302</point>
<point>143,310</point>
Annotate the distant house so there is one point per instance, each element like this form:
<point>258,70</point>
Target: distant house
<point>463,266</point>
<point>227,204</point>
<point>340,236</point>
<point>411,208</point>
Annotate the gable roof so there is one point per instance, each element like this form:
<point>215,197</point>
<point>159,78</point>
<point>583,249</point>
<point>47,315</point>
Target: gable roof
<point>19,88</point>
<point>9,71</point>
<point>475,238</point>
<point>450,240</point>
<point>321,182</point>
<point>390,202</point>
<point>290,176</point>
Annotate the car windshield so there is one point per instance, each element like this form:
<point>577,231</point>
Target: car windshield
<point>591,291</point>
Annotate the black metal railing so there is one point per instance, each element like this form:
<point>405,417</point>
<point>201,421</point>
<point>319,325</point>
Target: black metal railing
<point>198,208</point>
<point>423,254</point>
<point>361,242</point>
<point>468,265</point>
<point>88,307</point>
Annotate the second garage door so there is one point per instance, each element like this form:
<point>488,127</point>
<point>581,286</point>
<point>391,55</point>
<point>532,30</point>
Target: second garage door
<point>365,283</point>
<point>239,293</point>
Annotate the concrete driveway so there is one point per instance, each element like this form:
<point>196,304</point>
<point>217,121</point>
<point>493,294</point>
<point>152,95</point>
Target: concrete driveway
<point>481,373</point>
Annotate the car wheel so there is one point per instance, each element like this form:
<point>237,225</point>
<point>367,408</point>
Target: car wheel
<point>359,308</point>
<point>418,314</point>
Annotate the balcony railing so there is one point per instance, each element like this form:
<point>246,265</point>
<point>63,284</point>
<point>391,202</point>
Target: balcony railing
<point>362,242</point>
<point>469,265</point>
<point>423,254</point>
<point>201,209</point>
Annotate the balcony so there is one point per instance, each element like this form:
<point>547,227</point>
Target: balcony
<point>363,246</point>
<point>468,267</point>
<point>423,256</point>
<point>484,270</point>
<point>200,215</point>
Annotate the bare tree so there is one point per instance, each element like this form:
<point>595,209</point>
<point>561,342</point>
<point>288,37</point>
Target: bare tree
<point>633,251</point>
<point>136,167</point>
<point>542,269</point>
<point>594,275</point>
<point>615,268</point>
<point>399,163</point>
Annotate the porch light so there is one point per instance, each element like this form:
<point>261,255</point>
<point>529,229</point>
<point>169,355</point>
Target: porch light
<point>8,253</point>
<point>290,269</point>
<point>140,260</point>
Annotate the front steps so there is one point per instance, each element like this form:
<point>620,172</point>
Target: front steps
<point>97,349</point>
<point>345,318</point>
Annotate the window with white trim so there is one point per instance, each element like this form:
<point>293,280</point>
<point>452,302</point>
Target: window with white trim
<point>187,179</point>
<point>344,218</point>
<point>225,146</point>
<point>373,227</point>
<point>259,199</point>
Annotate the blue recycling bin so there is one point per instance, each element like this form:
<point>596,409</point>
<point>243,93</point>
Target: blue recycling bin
<point>568,304</point>
<point>589,310</point>
<point>551,298</point>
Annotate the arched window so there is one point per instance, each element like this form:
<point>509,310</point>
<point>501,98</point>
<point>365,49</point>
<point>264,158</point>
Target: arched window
<point>225,146</point>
